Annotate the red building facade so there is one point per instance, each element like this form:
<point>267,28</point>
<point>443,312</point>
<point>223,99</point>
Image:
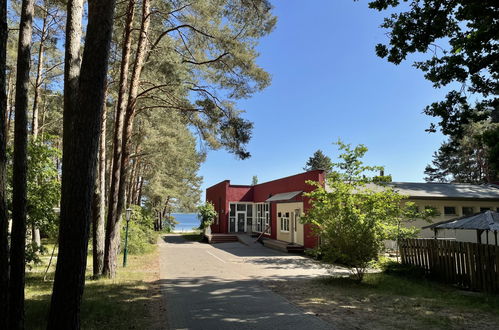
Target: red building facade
<point>272,207</point>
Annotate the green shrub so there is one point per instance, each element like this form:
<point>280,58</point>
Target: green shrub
<point>395,268</point>
<point>141,234</point>
<point>206,214</point>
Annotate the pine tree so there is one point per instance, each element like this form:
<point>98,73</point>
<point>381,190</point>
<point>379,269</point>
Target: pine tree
<point>456,43</point>
<point>318,161</point>
<point>78,177</point>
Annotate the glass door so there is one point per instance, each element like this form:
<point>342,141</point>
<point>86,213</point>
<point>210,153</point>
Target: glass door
<point>241,222</point>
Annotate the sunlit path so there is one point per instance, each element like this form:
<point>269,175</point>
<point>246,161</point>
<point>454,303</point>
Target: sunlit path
<point>220,286</point>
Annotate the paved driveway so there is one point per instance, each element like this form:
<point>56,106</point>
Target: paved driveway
<point>220,286</point>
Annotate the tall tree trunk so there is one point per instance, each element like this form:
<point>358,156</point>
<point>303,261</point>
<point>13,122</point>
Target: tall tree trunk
<point>114,215</point>
<point>18,237</point>
<point>130,111</point>
<point>38,80</point>
<point>109,167</point>
<point>10,107</point>
<point>35,236</point>
<point>133,177</point>
<point>78,175</point>
<point>139,191</point>
<point>4,247</point>
<point>72,63</point>
<point>8,98</point>
<point>99,202</point>
<point>136,184</point>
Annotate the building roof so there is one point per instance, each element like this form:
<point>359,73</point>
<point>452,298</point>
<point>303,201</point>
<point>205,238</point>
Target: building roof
<point>284,196</point>
<point>445,190</point>
<point>488,220</point>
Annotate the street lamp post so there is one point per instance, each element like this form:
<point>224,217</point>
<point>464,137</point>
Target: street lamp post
<point>125,252</point>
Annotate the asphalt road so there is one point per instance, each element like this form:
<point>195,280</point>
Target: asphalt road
<point>220,286</point>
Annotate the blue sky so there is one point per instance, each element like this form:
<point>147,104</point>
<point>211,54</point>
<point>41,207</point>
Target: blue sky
<point>327,83</point>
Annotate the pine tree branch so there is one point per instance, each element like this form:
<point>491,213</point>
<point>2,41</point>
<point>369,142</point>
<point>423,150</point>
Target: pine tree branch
<point>208,61</point>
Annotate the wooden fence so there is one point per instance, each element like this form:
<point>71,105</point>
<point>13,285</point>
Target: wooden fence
<point>469,265</point>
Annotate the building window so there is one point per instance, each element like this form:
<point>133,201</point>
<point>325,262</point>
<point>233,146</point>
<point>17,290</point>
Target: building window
<point>285,222</point>
<point>483,209</point>
<point>449,210</point>
<point>468,210</point>
<point>232,218</point>
<point>249,215</point>
<point>267,215</point>
<point>262,217</point>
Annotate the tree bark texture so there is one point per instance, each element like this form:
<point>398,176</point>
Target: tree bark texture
<point>10,105</point>
<point>113,216</point>
<point>99,203</point>
<point>72,63</point>
<point>132,182</point>
<point>78,175</point>
<point>19,173</point>
<point>4,247</point>
<point>35,235</point>
<point>139,191</point>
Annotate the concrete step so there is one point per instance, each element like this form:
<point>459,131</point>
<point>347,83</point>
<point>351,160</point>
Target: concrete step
<point>222,239</point>
<point>275,244</point>
<point>295,248</point>
<point>283,246</point>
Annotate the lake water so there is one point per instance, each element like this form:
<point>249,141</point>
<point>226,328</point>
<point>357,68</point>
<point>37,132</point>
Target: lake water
<point>187,221</point>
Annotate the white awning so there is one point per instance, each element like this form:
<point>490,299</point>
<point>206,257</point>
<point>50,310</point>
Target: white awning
<point>284,196</point>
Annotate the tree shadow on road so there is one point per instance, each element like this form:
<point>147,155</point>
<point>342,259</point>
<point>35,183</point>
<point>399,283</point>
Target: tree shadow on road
<point>209,302</point>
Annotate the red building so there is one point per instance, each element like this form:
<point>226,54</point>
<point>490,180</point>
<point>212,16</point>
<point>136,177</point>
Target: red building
<point>273,208</point>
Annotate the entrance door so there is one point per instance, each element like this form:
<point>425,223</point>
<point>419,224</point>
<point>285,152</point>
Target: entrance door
<point>295,219</point>
<point>293,226</point>
<point>232,225</point>
<point>241,222</point>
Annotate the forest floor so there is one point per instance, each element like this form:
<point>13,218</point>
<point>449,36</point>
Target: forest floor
<point>384,301</point>
<point>131,301</point>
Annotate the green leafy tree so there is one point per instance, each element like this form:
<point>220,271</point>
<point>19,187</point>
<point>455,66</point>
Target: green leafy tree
<point>168,163</point>
<point>254,180</point>
<point>43,186</point>
<point>460,40</point>
<point>43,193</point>
<point>465,160</point>
<point>141,236</point>
<point>318,161</point>
<point>206,214</point>
<point>354,215</point>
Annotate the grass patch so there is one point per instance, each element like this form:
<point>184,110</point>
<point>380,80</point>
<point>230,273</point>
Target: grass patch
<point>131,301</point>
<point>391,285</point>
<point>392,302</point>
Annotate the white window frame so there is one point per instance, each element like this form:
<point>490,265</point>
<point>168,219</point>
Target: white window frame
<point>246,217</point>
<point>450,214</point>
<point>285,222</point>
<point>262,216</point>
